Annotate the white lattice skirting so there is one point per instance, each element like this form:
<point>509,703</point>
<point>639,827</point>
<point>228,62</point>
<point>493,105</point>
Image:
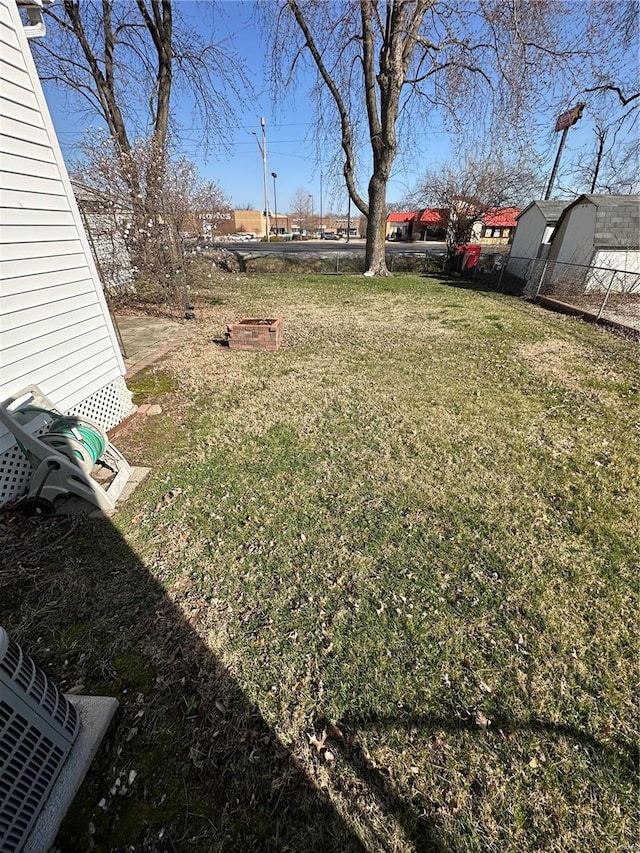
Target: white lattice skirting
<point>107,407</point>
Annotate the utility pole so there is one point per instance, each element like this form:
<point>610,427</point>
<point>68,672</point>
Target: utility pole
<point>275,200</point>
<point>321,228</point>
<point>263,151</point>
<point>348,217</point>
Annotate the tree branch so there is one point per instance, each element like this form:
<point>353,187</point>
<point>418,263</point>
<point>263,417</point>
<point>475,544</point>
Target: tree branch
<point>345,125</point>
<point>608,87</point>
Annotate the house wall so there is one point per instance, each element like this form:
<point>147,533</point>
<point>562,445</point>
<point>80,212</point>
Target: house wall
<point>110,252</point>
<point>394,227</point>
<point>55,328</point>
<point>618,259</point>
<point>248,221</point>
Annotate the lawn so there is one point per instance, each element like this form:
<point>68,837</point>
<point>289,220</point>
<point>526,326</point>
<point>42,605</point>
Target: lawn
<point>378,591</point>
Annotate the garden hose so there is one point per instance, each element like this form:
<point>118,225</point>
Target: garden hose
<point>76,438</point>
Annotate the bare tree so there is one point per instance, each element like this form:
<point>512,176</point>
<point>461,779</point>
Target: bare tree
<point>300,208</point>
<point>182,193</point>
<point>471,188</point>
<point>613,163</point>
<point>620,20</point>
<point>122,62</point>
<point>185,193</point>
<point>380,64</point>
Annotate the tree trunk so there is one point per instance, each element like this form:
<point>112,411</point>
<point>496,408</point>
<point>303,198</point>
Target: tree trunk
<point>384,70</point>
<point>375,262</point>
<point>158,18</point>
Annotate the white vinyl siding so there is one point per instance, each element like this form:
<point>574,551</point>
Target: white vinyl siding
<point>55,329</point>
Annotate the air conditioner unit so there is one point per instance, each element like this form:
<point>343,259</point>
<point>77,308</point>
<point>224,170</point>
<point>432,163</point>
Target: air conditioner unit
<point>38,727</point>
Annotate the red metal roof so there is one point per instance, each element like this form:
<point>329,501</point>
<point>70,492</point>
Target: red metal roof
<point>496,217</point>
<point>432,216</point>
<point>501,217</point>
<point>400,217</point>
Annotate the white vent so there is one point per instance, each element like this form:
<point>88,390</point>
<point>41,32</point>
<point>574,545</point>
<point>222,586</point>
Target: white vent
<point>38,726</point>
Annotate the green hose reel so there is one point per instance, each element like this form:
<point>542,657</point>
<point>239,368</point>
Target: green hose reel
<point>63,451</point>
<point>80,440</point>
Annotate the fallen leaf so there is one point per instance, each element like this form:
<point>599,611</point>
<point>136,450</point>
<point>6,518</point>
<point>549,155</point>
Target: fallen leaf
<point>482,721</point>
<point>334,731</point>
<point>329,756</point>
<point>318,742</point>
<point>168,499</point>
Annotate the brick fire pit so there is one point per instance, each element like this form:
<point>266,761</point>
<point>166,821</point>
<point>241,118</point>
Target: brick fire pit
<point>255,334</point>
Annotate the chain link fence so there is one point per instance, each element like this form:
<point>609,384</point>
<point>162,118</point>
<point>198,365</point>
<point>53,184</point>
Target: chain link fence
<point>312,260</point>
<point>601,293</point>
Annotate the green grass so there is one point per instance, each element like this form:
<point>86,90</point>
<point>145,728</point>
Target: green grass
<point>415,525</point>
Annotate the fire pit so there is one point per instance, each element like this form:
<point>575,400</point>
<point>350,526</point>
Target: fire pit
<point>255,334</point>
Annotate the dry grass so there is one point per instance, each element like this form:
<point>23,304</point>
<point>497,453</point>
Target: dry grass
<point>378,592</point>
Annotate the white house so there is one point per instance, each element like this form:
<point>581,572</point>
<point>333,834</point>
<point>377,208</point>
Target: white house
<point>535,225</point>
<point>55,328</point>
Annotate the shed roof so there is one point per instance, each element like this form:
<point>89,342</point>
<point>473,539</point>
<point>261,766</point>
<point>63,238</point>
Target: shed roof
<point>617,220</point>
<point>551,210</point>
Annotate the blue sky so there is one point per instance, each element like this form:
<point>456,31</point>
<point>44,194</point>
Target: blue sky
<point>290,144</point>
<point>292,150</point>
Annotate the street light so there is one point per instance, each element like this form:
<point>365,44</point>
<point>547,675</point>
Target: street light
<point>311,215</point>
<point>275,200</point>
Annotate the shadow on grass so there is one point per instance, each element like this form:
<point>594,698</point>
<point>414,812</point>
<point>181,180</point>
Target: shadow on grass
<point>418,829</point>
<point>621,753</point>
<point>190,763</point>
<point>505,284</point>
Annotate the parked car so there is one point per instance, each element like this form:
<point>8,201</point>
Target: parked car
<point>330,235</point>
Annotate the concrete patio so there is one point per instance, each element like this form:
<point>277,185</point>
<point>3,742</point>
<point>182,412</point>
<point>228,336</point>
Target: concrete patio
<point>144,339</point>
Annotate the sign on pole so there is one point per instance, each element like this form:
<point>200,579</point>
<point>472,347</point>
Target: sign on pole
<point>563,123</point>
<point>569,118</point>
